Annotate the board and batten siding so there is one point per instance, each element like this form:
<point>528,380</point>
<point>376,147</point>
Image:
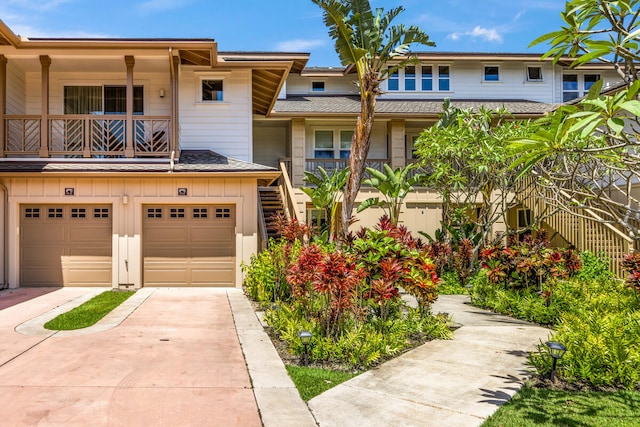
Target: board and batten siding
<point>152,83</point>
<point>15,101</point>
<point>127,217</point>
<point>222,126</point>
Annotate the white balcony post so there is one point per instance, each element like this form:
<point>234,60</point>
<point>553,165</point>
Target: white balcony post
<point>129,151</point>
<point>3,101</point>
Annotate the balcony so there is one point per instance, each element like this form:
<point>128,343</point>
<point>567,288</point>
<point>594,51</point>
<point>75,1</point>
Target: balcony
<point>99,136</point>
<point>331,165</point>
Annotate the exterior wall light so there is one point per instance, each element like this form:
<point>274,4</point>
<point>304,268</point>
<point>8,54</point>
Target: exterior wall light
<point>305,338</point>
<point>556,350</point>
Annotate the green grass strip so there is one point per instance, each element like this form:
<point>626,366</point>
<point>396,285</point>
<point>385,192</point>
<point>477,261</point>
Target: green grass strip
<point>89,313</point>
<point>311,382</point>
<point>551,408</point>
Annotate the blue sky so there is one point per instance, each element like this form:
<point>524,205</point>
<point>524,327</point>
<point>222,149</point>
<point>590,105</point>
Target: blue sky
<point>285,25</point>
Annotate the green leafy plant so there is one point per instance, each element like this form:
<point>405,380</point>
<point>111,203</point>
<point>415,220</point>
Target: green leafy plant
<point>394,185</point>
<point>325,194</point>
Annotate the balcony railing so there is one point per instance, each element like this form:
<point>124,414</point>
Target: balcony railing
<point>332,165</point>
<point>87,135</point>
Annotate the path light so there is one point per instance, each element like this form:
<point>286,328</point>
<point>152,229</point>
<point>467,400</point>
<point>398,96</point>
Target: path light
<point>556,350</point>
<point>305,338</point>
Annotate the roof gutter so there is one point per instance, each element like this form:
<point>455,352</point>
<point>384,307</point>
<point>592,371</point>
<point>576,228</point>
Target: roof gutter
<point>5,232</point>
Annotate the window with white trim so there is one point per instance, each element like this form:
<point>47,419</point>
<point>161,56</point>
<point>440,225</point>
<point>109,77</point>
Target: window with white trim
<point>317,86</point>
<point>576,85</point>
<point>491,73</point>
<point>427,78</point>
<point>534,73</point>
<point>444,83</point>
<point>212,90</point>
<point>332,144</point>
<point>393,82</point>
<point>410,78</point>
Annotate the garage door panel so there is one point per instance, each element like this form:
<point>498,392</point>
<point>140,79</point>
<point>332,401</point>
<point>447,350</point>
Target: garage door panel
<point>189,246</point>
<point>65,245</point>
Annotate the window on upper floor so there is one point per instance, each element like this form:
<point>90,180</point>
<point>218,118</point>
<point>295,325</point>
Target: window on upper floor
<point>419,78</point>
<point>534,73</point>
<point>317,86</point>
<point>575,85</point>
<point>393,82</point>
<point>491,73</point>
<point>427,78</point>
<point>110,99</point>
<point>212,90</point>
<point>410,78</point>
<point>444,83</point>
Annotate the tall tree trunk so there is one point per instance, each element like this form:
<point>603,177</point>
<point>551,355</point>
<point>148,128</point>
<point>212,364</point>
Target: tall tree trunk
<point>360,146</point>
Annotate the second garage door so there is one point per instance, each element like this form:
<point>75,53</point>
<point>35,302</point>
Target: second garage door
<point>189,245</point>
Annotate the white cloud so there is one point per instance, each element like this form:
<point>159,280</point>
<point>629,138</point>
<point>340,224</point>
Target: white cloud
<point>519,15</point>
<point>478,32</point>
<point>298,45</point>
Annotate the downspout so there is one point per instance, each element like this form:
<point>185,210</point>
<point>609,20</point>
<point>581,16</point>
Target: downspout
<point>5,225</point>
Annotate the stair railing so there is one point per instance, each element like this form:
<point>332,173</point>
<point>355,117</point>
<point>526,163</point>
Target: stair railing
<point>288,196</point>
<point>263,238</point>
<point>586,231</point>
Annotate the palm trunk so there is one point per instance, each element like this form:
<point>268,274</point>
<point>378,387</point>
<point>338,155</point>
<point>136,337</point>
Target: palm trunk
<point>359,146</point>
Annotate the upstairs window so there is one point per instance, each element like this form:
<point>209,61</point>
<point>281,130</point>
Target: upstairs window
<point>323,144</point>
<point>491,73</point>
<point>393,82</point>
<point>427,77</point>
<point>534,73</point>
<point>443,78</point>
<point>317,86</point>
<point>410,78</point>
<point>212,90</point>
<point>345,143</point>
<point>332,144</point>
<point>589,80</point>
<point>101,99</point>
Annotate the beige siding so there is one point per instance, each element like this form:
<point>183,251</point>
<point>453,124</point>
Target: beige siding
<point>224,127</point>
<point>378,148</point>
<point>270,143</point>
<point>127,217</point>
<point>15,89</point>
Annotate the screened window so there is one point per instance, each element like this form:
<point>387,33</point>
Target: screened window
<point>427,77</point>
<point>212,90</point>
<point>443,78</point>
<point>317,86</point>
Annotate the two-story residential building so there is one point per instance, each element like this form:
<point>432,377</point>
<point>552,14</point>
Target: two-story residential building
<point>138,162</point>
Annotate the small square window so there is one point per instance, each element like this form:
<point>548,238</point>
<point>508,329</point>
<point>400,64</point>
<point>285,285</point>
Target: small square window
<point>200,213</point>
<point>223,213</point>
<point>589,80</point>
<point>32,213</point>
<point>101,212</point>
<point>212,90</point>
<point>55,213</point>
<point>491,73</point>
<point>154,212</point>
<point>78,213</point>
<point>534,74</point>
<point>176,213</point>
<point>317,86</point>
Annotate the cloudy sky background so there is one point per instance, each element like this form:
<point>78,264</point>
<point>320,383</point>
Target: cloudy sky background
<point>285,25</point>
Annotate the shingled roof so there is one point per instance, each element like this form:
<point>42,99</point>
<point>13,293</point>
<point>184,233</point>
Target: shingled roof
<point>350,105</point>
<point>190,161</point>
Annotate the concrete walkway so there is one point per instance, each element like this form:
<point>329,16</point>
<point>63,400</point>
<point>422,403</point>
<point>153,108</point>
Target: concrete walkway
<point>454,383</point>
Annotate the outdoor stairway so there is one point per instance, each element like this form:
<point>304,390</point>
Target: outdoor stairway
<point>271,203</point>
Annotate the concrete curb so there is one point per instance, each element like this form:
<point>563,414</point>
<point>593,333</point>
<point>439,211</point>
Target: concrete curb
<point>35,326</point>
<point>278,399</point>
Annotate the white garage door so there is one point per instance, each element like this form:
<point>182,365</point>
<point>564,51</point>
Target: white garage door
<point>65,245</point>
<point>189,245</point>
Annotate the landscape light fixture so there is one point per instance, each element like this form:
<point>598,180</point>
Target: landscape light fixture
<point>556,350</point>
<point>305,338</point>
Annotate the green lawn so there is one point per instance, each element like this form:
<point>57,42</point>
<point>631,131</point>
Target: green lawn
<point>313,381</point>
<point>543,407</point>
<point>90,312</point>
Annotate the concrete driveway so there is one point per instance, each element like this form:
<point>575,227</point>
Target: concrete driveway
<point>175,361</point>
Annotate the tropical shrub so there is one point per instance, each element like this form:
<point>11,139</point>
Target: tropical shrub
<point>631,266</point>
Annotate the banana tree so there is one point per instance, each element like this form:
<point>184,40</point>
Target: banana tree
<point>366,40</point>
<point>394,185</point>
<point>325,193</point>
